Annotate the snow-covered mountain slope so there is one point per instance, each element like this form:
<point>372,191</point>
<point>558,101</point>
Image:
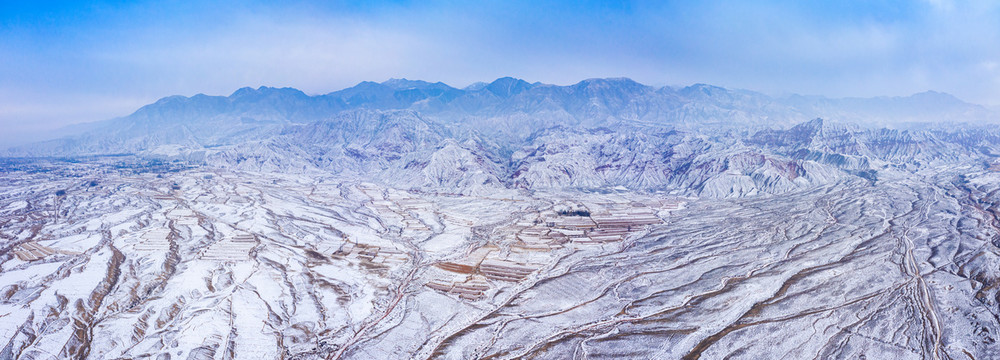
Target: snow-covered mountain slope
<point>403,148</point>
<point>409,219</point>
<point>508,109</point>
<point>116,257</point>
<point>598,133</point>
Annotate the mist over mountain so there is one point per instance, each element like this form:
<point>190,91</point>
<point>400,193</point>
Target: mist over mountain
<point>507,108</point>
<point>509,133</point>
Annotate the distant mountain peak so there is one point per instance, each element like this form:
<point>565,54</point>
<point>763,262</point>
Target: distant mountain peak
<point>406,84</point>
<point>247,91</point>
<point>621,86</point>
<point>169,99</point>
<point>507,79</point>
<point>937,97</point>
<point>365,85</point>
<point>609,81</point>
<point>243,91</point>
<point>704,89</point>
<point>507,86</point>
<point>476,86</point>
<point>403,83</point>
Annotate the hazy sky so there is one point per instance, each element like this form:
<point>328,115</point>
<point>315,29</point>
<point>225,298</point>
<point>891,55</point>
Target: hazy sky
<point>69,62</point>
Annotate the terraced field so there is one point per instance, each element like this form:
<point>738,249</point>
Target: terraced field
<point>216,264</point>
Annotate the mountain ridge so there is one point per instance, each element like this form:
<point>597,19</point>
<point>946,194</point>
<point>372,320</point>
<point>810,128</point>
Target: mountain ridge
<point>590,102</point>
<point>596,134</point>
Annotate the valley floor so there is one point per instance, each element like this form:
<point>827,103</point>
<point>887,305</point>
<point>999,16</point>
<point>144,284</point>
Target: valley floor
<point>209,264</point>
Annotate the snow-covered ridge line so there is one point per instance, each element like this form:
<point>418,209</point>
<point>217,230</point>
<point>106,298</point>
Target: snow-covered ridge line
<point>508,109</point>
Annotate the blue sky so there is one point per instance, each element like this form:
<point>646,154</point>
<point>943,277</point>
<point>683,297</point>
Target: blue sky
<point>69,62</point>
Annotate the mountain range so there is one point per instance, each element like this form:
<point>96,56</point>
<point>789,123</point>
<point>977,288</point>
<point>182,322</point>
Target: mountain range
<point>509,133</point>
<point>606,219</point>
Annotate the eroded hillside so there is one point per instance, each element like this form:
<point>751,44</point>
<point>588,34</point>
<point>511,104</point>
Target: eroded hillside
<point>103,261</point>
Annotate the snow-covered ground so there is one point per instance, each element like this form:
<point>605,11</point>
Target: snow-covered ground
<point>210,263</point>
